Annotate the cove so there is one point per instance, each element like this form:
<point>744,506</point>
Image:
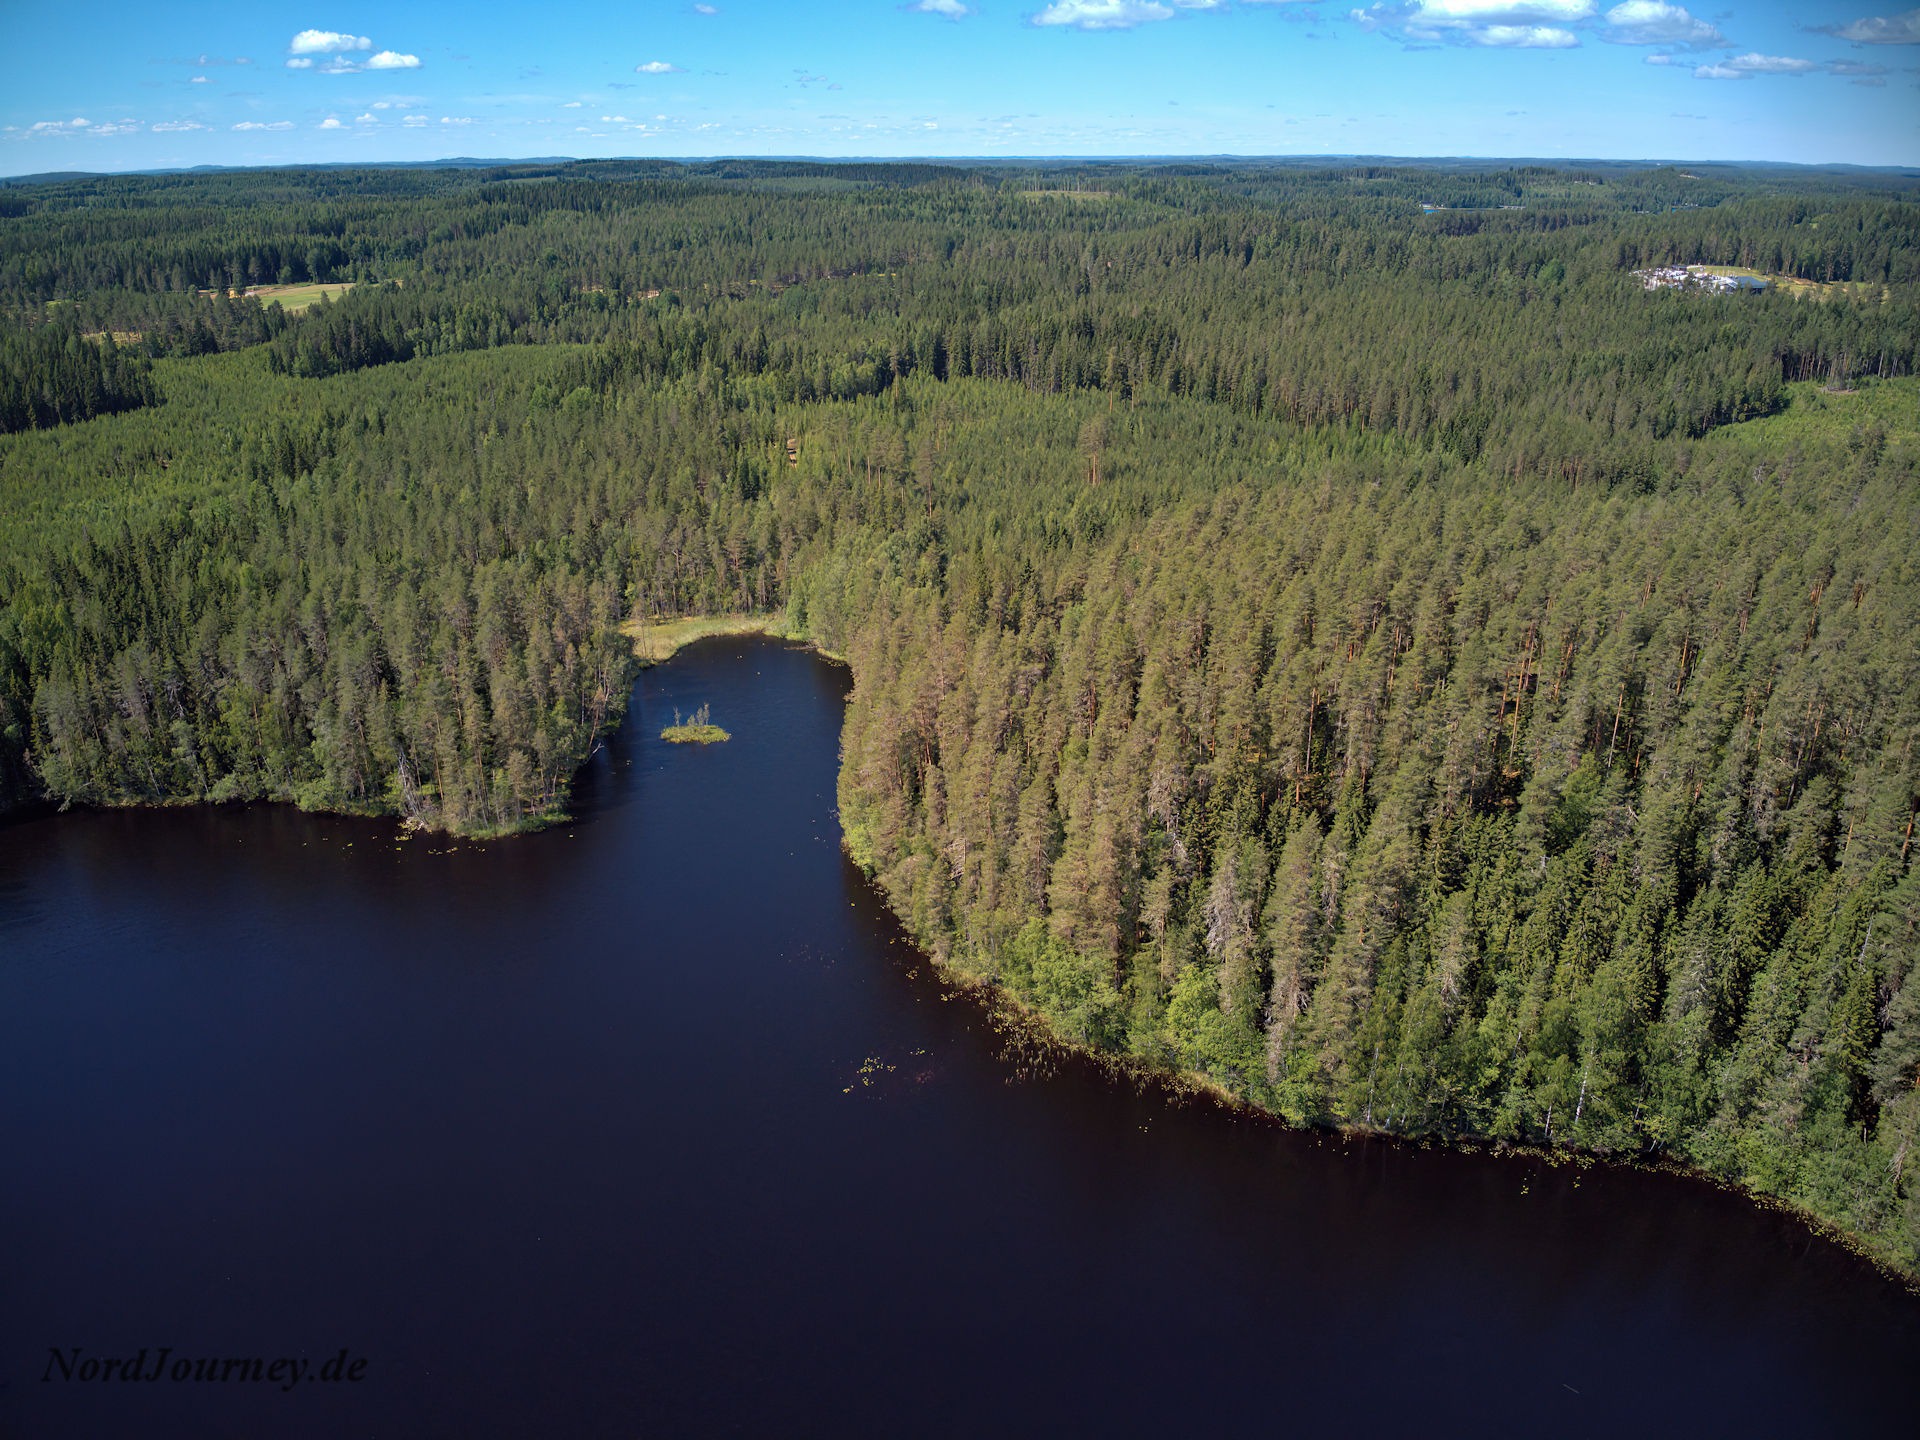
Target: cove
<point>655,1123</point>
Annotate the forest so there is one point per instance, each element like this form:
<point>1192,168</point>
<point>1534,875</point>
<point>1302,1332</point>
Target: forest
<point>1325,631</point>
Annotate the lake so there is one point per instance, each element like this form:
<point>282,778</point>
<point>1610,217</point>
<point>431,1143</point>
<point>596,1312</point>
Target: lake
<point>655,1123</point>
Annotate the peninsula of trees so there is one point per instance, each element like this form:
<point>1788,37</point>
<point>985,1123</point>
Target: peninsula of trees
<point>1385,660</point>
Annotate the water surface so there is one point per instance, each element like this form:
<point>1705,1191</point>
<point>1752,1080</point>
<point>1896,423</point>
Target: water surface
<point>655,1124</point>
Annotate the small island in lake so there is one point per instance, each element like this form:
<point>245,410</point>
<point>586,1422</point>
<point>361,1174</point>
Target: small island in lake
<point>699,729</point>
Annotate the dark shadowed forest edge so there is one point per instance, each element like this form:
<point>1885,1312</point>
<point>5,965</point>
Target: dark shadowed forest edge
<point>1386,665</point>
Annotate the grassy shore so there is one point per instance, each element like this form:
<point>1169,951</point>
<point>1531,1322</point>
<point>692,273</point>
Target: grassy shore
<point>655,643</point>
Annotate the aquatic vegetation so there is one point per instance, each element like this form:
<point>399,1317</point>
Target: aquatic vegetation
<point>698,729</point>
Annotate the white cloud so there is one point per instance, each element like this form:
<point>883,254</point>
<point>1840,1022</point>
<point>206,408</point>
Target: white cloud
<point>367,119</point>
<point>1653,22</point>
<point>333,52</point>
<point>1524,37</point>
<point>952,9</point>
<point>80,125</point>
<point>1772,65</point>
<point>614,120</point>
<point>1503,24</point>
<point>414,120</point>
<point>1880,30</point>
<point>1745,67</point>
<point>571,105</point>
<point>706,9</point>
<point>201,80</point>
<point>326,42</point>
<point>168,127</point>
<point>1115,14</point>
<point>331,123</point>
<point>258,125</point>
<point>1489,11</point>
<point>456,120</point>
<point>657,67</point>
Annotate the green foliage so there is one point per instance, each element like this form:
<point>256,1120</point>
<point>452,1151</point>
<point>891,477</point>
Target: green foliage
<point>57,376</point>
<point>699,729</point>
<point>1387,664</point>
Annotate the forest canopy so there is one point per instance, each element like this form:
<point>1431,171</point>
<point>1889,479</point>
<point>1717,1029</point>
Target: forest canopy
<point>1330,631</point>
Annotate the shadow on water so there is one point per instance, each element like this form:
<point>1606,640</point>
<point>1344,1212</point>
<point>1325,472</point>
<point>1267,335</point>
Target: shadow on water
<point>655,1121</point>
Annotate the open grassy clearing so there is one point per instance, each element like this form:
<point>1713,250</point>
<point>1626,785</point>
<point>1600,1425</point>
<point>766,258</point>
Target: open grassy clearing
<point>296,297</point>
<point>1805,289</point>
<point>292,297</point>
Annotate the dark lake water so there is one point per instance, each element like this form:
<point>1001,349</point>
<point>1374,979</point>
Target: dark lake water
<point>655,1124</point>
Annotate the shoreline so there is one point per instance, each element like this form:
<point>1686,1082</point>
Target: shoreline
<point>655,643</point>
<point>1008,1013</point>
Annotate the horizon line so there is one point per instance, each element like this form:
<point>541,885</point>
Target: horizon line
<point>51,177</point>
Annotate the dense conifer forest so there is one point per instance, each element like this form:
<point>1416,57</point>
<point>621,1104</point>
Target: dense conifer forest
<point>1333,632</point>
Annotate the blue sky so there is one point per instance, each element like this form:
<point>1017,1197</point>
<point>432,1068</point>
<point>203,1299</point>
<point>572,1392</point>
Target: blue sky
<point>121,86</point>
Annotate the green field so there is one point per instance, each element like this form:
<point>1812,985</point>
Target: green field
<point>296,297</point>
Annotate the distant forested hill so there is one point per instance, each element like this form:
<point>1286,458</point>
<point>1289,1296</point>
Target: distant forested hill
<point>1379,658</point>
